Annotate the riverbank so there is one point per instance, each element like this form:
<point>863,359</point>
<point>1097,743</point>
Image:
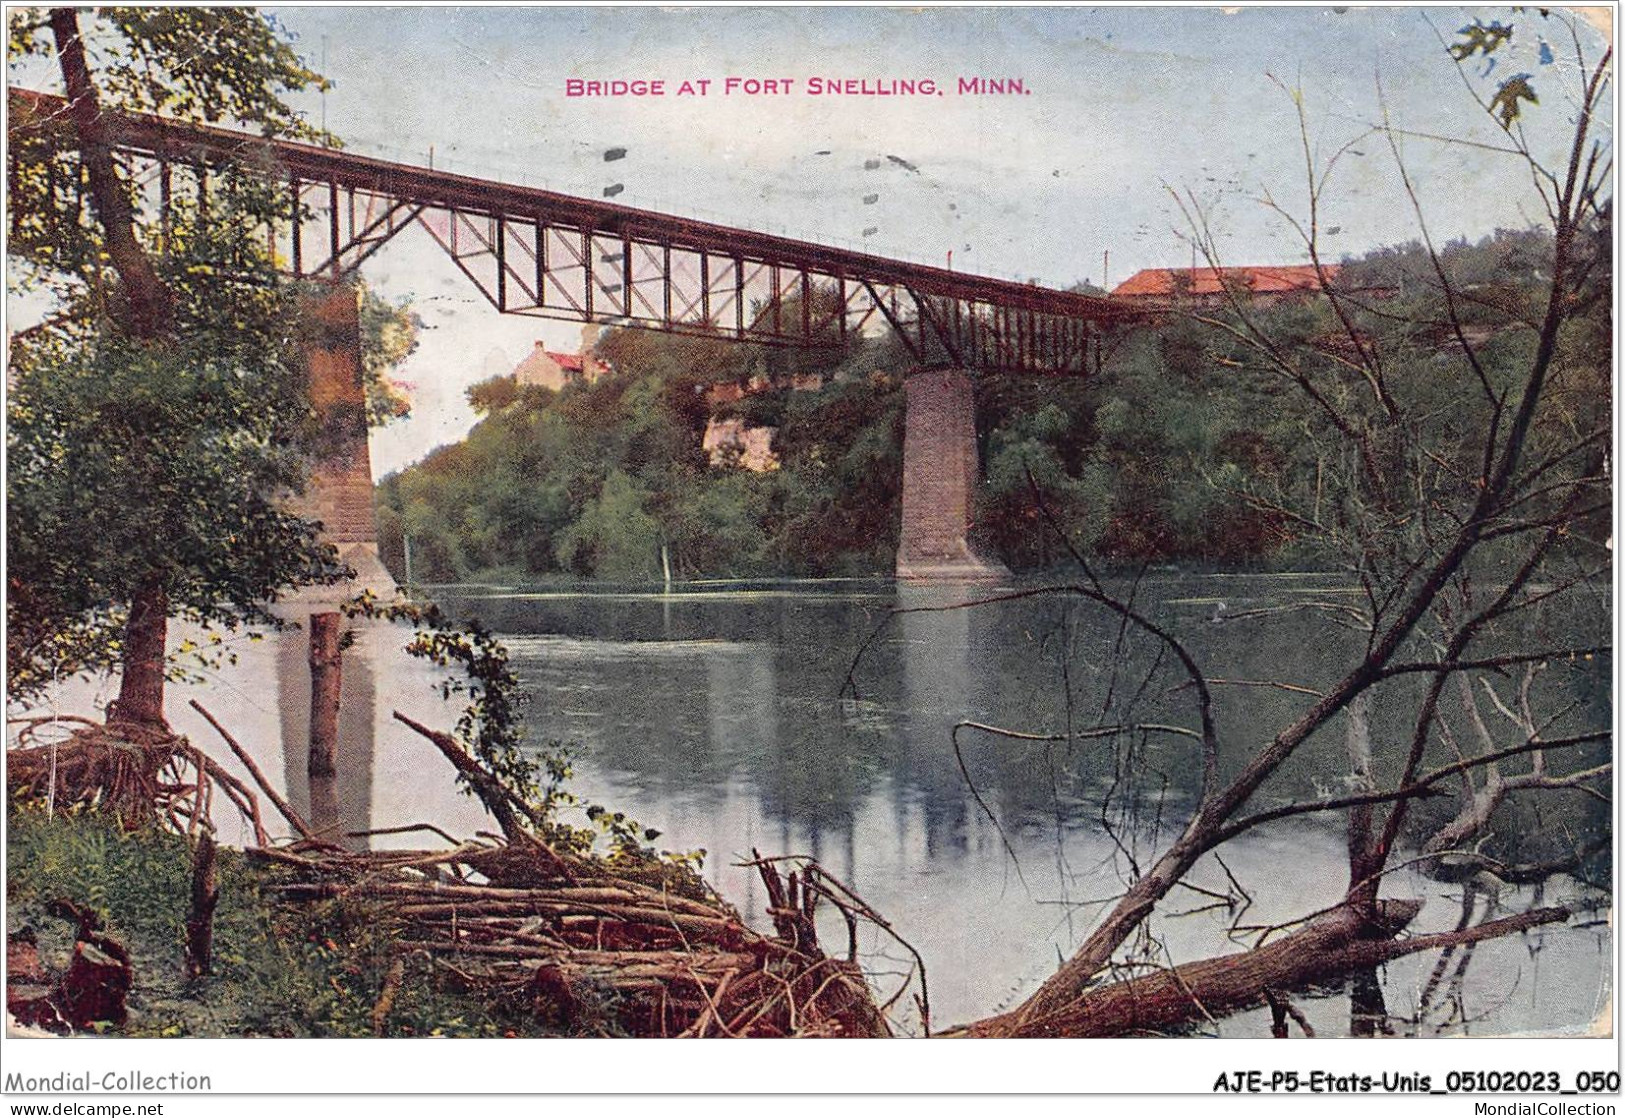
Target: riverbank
<point>530,933</point>
<point>279,970</point>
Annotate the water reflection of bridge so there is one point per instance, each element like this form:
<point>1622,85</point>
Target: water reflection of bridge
<point>680,717</point>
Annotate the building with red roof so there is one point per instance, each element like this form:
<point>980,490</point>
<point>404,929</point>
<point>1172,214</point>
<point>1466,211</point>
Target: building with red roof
<point>1274,281</point>
<point>554,370</point>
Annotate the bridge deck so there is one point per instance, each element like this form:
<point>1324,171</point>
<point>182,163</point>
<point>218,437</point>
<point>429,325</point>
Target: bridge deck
<point>541,253</point>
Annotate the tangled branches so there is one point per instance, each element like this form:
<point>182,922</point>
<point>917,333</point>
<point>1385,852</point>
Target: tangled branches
<point>571,945</point>
<point>550,933</point>
<point>136,774</point>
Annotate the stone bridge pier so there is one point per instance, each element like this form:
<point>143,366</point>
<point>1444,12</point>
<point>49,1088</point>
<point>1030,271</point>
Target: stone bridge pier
<point>940,468</point>
<point>339,493</point>
<point>940,473</point>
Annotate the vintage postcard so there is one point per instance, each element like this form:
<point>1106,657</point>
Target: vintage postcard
<point>599,523</point>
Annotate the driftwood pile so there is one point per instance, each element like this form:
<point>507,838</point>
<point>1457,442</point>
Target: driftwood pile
<point>578,947</point>
<point>578,942</point>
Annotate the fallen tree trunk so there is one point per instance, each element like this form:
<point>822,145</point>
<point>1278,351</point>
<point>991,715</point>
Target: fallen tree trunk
<point>1326,949</point>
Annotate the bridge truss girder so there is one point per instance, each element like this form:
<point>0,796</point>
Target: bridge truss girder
<point>550,270</point>
<point>538,253</point>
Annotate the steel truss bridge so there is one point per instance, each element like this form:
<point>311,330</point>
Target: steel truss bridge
<point>549,255</point>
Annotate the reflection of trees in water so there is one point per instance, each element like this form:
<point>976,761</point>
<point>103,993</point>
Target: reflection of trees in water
<point>1064,669</point>
<point>741,700</point>
<point>1441,1005</point>
<point>1447,1004</point>
<point>1368,1012</point>
<point>750,686</point>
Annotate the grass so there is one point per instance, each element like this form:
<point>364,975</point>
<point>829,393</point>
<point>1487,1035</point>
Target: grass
<point>282,970</point>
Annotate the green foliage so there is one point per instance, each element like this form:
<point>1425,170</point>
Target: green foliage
<point>206,65</point>
<point>490,396</point>
<point>209,65</point>
<point>43,645</point>
<point>841,479</point>
<point>1184,447</point>
<point>1379,485</point>
<point>491,728</point>
<point>1124,463</point>
<point>310,971</point>
<point>389,335</point>
<point>147,465</point>
<point>1188,446</point>
<point>596,479</point>
<point>131,461</point>
<point>614,537</point>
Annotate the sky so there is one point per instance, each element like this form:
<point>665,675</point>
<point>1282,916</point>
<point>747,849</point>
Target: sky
<point>1123,107</point>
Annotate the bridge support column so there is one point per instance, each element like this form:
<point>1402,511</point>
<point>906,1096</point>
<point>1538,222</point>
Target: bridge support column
<point>340,490</point>
<point>939,480</point>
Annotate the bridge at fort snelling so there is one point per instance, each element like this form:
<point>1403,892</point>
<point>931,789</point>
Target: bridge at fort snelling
<point>549,255</point>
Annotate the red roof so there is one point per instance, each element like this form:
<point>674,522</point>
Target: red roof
<point>1266,279</point>
<point>569,362</point>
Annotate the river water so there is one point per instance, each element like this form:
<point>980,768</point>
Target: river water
<point>813,719</point>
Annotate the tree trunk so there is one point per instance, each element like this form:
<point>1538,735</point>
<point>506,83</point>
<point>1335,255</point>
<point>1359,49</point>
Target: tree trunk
<point>141,690</point>
<point>1365,856</point>
<point>149,303</point>
<point>1328,948</point>
<point>200,919</point>
<point>147,315</point>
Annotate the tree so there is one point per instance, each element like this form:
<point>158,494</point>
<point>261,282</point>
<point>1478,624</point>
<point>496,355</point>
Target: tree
<point>389,335</point>
<point>1460,439</point>
<point>159,414</point>
<point>558,470</point>
<point>1128,458</point>
<point>615,537</point>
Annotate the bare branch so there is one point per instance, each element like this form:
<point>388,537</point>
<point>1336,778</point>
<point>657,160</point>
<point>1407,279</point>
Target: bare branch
<point>1492,662</point>
<point>1420,788</point>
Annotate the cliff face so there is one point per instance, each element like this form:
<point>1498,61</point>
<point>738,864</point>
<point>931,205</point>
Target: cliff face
<point>751,447</point>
